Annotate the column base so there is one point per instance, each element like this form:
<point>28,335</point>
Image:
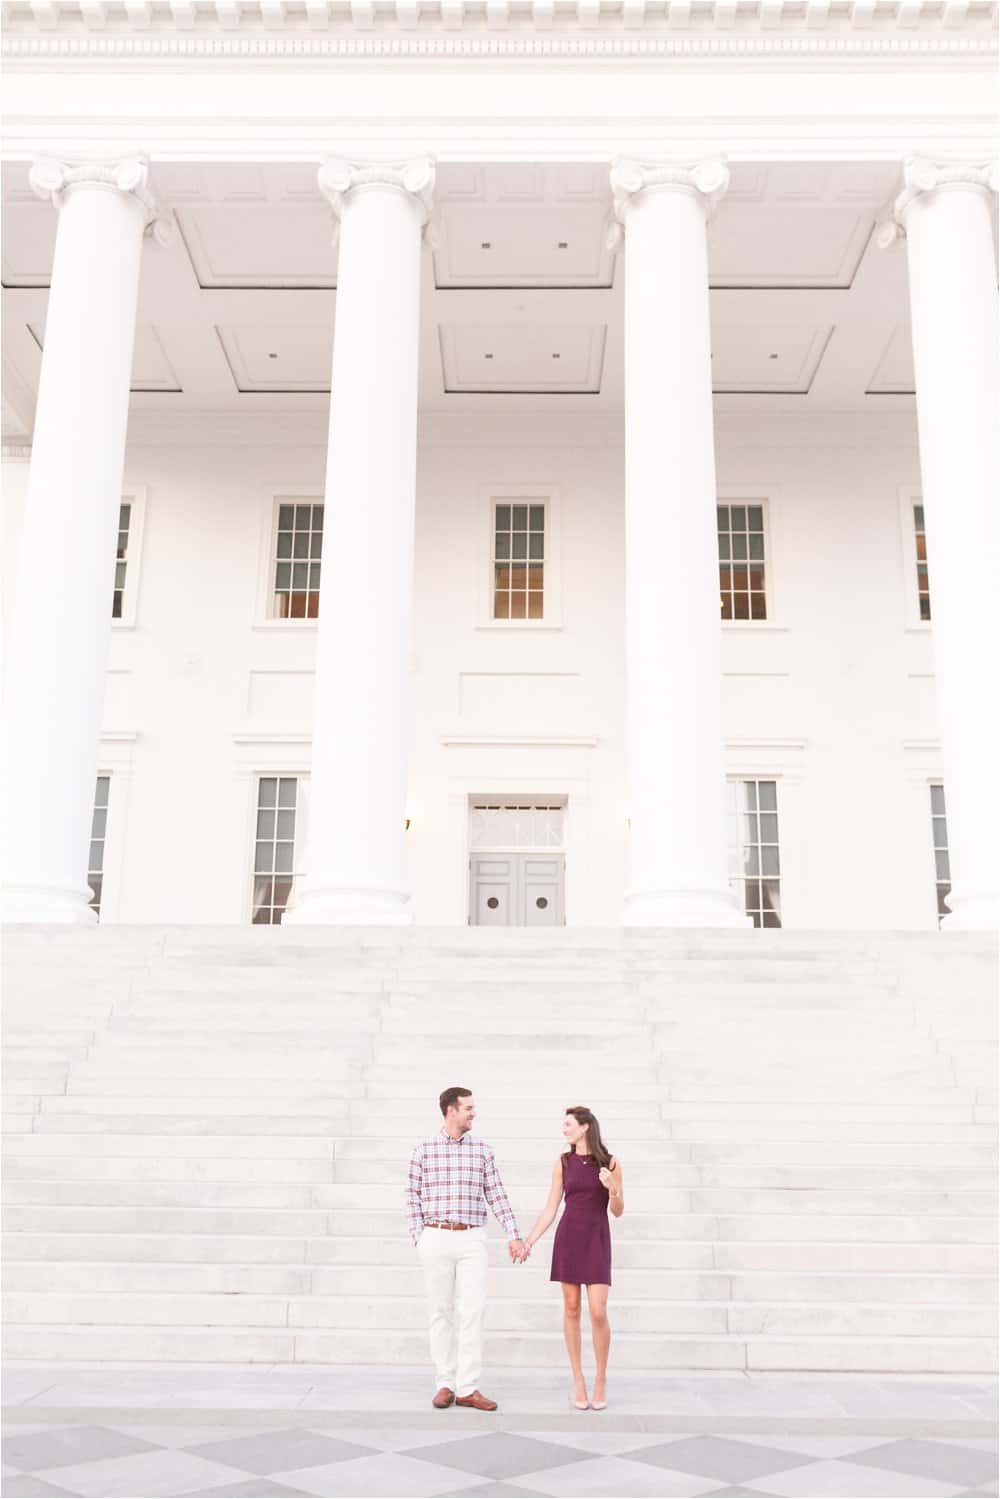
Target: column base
<point>45,905</point>
<point>972,913</point>
<point>683,908</point>
<point>348,906</point>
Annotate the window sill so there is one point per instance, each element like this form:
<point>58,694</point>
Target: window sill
<point>123,624</point>
<point>284,624</point>
<point>919,627</point>
<point>519,625</point>
<point>754,626</point>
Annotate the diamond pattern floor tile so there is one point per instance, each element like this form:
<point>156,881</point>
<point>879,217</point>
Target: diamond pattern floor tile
<point>501,1454</point>
<point>721,1458</point>
<point>49,1447</point>
<point>945,1461</point>
<point>280,1451</point>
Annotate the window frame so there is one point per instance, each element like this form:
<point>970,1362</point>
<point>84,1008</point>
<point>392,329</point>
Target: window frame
<point>909,496</point>
<point>548,496</point>
<point>271,503</point>
<point>767,497</point>
<point>737,882</point>
<point>257,755</point>
<point>933,783</point>
<point>114,760</point>
<point>134,495</point>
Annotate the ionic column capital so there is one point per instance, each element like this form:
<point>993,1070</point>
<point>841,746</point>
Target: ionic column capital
<point>707,180</point>
<point>51,178</point>
<point>338,178</point>
<point>922,176</point>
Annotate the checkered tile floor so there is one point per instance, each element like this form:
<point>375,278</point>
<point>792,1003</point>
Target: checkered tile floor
<point>171,1448</point>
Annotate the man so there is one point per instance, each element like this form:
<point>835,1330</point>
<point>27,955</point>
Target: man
<point>451,1179</point>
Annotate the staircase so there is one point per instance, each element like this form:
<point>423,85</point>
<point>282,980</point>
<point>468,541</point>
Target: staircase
<point>207,1133</point>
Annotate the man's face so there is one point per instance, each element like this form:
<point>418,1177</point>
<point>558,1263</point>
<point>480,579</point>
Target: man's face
<point>463,1113</point>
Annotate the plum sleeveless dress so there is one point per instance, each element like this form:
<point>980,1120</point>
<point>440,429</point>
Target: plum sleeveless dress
<point>581,1253</point>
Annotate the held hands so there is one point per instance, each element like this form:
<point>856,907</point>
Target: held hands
<point>518,1251</point>
<point>606,1179</point>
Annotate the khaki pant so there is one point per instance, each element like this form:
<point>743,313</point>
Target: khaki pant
<point>454,1267</point>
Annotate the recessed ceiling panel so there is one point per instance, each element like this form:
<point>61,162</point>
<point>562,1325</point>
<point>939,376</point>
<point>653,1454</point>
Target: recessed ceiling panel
<point>780,244</point>
<point>279,356</point>
<point>260,244</point>
<point>893,375</point>
<point>542,244</point>
<point>151,368</point>
<point>774,360</point>
<point>29,241</point>
<point>544,360</point>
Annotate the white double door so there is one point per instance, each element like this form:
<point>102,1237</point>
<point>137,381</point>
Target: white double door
<point>516,889</point>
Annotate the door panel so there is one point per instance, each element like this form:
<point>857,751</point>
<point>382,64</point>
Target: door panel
<point>516,890</point>
<point>492,891</point>
<point>541,883</point>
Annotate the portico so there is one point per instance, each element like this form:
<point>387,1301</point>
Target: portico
<point>636,280</point>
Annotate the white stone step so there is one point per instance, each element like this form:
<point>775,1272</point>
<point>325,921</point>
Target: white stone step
<point>670,1285</point>
<point>503,1350</point>
<point>118,1277</point>
<point>100,1172</point>
<point>810,1153</point>
<point>398,1314</point>
<point>505,1283</point>
<point>206,1103</point>
<point>192,1146</point>
<point>166,1088</point>
<point>357,1170</point>
<point>147,1193</point>
<point>200,1124</point>
<point>730,1256</point>
<point>135,1247</point>
<point>278,1222</point>
<point>786,1227</point>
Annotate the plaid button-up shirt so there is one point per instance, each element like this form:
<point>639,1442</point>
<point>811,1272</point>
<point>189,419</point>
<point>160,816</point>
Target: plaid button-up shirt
<point>451,1181</point>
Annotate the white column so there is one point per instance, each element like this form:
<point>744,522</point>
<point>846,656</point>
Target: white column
<point>62,608</point>
<point>678,873</point>
<point>361,734</point>
<point>944,213</point>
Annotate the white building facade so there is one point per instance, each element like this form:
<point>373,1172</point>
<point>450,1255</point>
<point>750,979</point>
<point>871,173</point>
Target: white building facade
<point>635,562</point>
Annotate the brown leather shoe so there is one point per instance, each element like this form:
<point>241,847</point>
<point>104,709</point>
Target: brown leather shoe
<point>477,1402</point>
<point>443,1398</point>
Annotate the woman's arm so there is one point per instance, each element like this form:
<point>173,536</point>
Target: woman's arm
<point>611,1177</point>
<point>548,1213</point>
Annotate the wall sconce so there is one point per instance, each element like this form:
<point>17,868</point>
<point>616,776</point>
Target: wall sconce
<point>407,824</point>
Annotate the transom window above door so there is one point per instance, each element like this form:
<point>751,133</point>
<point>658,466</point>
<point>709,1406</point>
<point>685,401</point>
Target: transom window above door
<point>501,824</point>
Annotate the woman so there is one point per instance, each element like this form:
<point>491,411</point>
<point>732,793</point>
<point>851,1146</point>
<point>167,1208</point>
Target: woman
<point>591,1180</point>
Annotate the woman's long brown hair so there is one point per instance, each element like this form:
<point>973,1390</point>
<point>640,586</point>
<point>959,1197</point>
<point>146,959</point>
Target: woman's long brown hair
<point>599,1151</point>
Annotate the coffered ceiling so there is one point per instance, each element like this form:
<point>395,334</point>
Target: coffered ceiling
<point>522,300</point>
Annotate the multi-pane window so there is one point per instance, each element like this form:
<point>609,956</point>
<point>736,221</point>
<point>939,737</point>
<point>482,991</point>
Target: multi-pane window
<point>298,550</point>
<point>741,561</point>
<point>98,833</point>
<point>920,539</point>
<point>121,558</point>
<point>754,856</point>
<point>518,561</point>
<point>274,866</point>
<point>942,863</point>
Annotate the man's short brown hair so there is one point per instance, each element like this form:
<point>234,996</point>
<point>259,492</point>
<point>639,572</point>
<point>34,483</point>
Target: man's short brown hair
<point>449,1098</point>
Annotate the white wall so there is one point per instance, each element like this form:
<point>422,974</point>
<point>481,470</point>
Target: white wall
<point>834,695</point>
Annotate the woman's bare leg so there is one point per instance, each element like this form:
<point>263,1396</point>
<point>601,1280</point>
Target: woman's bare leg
<point>600,1327</point>
<point>571,1332</point>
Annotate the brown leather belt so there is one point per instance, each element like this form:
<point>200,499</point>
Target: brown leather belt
<point>457,1228</point>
